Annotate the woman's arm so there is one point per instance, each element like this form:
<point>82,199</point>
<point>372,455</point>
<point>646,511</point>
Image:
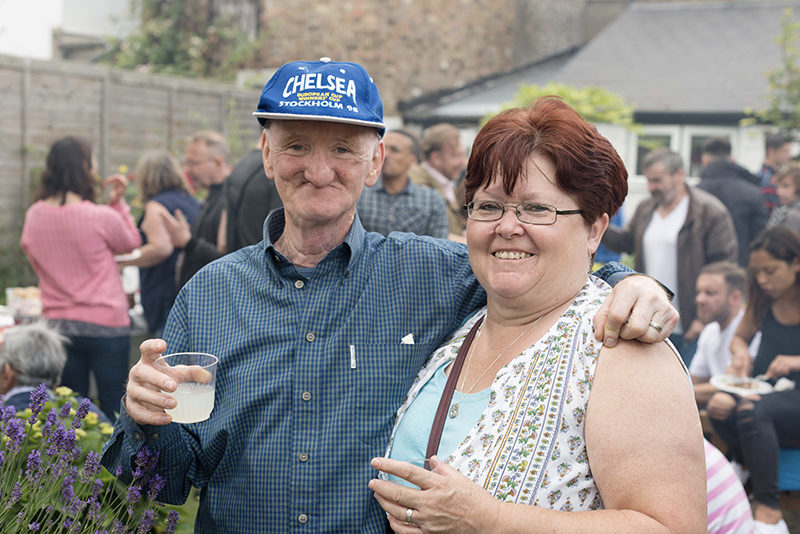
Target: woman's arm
<point>645,448</point>
<point>158,247</point>
<point>741,361</point>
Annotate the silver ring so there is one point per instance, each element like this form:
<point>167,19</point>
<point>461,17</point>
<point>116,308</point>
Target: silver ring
<point>409,513</point>
<point>657,326</point>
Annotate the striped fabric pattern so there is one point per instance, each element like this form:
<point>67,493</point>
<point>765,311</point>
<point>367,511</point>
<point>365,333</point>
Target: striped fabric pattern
<point>728,508</point>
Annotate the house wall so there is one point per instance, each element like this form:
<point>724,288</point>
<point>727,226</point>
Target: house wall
<point>412,47</point>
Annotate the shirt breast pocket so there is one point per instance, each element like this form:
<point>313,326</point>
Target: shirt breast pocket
<point>380,376</point>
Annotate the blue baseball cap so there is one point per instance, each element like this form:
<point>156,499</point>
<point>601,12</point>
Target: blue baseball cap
<point>324,90</point>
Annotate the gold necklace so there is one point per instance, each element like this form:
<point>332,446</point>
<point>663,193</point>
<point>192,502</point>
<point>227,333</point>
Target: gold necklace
<point>454,408</point>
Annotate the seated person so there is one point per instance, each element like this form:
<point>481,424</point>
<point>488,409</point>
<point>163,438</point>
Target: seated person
<point>720,305</point>
<point>755,427</point>
<point>728,508</point>
<point>31,355</point>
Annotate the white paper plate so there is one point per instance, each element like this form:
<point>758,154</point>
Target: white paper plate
<point>740,385</point>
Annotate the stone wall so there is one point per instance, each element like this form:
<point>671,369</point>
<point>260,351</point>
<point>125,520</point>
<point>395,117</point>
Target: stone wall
<point>413,47</point>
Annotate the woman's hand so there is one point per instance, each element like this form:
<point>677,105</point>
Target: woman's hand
<point>782,365</point>
<point>115,185</point>
<point>447,501</point>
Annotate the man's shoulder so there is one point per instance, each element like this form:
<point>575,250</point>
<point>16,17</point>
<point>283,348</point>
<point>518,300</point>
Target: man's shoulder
<point>418,174</point>
<point>706,200</point>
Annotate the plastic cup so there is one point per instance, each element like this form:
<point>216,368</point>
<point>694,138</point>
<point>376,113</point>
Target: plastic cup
<point>195,375</point>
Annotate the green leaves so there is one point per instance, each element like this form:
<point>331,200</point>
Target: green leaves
<point>593,103</point>
<point>783,97</point>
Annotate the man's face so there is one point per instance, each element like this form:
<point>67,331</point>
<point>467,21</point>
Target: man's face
<point>713,298</point>
<point>320,168</point>
<point>399,155</point>
<point>202,169</point>
<point>663,186</point>
<point>786,191</point>
<point>450,161</point>
<point>781,156</point>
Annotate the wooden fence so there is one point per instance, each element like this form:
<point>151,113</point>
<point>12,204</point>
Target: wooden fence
<point>121,113</point>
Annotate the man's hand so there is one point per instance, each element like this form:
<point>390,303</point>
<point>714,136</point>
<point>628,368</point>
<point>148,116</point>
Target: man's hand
<point>144,400</point>
<point>177,227</point>
<point>637,308</point>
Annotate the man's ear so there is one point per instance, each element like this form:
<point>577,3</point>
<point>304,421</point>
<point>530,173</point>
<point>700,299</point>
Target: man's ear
<point>264,144</point>
<point>8,377</point>
<point>378,155</point>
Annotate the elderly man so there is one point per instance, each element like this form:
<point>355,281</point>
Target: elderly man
<point>30,355</point>
<point>320,329</point>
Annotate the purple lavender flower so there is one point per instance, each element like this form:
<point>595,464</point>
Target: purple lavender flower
<point>6,413</point>
<point>156,485</point>
<point>80,414</point>
<point>134,496</point>
<point>92,465</point>
<point>118,527</point>
<point>96,487</point>
<point>38,398</point>
<point>146,523</point>
<point>34,462</point>
<point>172,521</point>
<point>34,527</point>
<point>15,430</point>
<point>64,413</point>
<point>142,460</point>
<point>67,489</point>
<point>16,495</point>
<point>47,427</point>
<point>2,458</point>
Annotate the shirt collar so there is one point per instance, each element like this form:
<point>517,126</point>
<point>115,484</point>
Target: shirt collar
<point>276,220</point>
<point>379,187</point>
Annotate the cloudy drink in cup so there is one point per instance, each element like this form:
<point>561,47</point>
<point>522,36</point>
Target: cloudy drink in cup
<point>195,375</point>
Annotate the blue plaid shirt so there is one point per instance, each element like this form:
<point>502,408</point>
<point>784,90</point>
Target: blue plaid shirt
<point>311,373</point>
<point>417,209</point>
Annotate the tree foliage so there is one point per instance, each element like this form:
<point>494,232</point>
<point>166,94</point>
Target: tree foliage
<point>783,96</point>
<point>184,37</point>
<point>594,104</point>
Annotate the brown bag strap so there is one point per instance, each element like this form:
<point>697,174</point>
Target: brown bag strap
<point>447,394</point>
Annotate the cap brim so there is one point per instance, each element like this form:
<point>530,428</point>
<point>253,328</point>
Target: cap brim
<point>297,117</point>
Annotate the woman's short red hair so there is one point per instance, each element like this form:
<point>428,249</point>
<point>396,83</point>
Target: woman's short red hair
<point>587,166</point>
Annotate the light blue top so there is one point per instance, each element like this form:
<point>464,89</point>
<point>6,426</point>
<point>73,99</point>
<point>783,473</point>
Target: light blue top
<point>411,437</point>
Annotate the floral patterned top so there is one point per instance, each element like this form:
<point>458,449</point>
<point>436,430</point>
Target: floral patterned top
<point>528,445</point>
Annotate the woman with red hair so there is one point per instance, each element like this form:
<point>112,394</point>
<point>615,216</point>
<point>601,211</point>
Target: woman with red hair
<point>519,441</point>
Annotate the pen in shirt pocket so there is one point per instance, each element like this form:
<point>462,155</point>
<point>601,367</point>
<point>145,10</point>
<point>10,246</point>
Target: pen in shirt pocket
<point>352,356</point>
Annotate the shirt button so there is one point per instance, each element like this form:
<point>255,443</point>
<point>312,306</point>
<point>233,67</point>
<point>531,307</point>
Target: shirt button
<point>302,519</point>
<point>303,457</point>
<point>299,284</point>
<point>310,337</point>
<point>306,396</point>
<point>155,435</point>
<point>138,436</point>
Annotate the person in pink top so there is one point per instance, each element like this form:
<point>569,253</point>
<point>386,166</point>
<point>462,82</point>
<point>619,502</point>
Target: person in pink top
<point>71,242</point>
